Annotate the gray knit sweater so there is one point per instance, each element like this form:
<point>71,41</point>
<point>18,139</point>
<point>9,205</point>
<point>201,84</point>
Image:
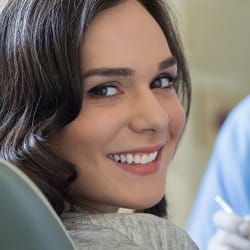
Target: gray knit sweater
<point>125,232</point>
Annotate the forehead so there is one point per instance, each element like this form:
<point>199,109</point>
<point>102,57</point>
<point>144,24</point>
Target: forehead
<point>123,35</point>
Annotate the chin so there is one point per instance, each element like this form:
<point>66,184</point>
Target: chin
<point>144,202</point>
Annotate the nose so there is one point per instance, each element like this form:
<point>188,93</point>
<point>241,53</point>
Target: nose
<point>149,113</point>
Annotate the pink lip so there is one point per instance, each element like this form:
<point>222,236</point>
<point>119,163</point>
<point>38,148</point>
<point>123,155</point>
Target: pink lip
<point>143,169</point>
<point>143,149</point>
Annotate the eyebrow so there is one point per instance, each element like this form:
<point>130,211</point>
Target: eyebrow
<point>125,71</point>
<point>171,61</point>
<point>108,72</point>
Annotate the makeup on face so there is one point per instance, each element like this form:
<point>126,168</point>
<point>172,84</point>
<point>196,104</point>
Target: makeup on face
<point>140,161</point>
<point>131,120</point>
<point>124,72</point>
<point>106,82</point>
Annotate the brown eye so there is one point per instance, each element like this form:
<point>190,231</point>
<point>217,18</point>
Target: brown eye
<point>164,81</point>
<point>104,91</point>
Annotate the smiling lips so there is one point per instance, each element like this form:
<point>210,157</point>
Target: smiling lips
<point>142,161</point>
<point>139,158</point>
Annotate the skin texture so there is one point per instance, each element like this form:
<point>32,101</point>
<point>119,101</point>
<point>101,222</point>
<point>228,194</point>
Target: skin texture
<point>133,112</point>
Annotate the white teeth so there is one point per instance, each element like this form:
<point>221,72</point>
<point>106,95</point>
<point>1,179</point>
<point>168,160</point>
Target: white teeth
<point>130,158</point>
<point>137,158</point>
<point>151,157</point>
<point>116,158</point>
<point>154,155</point>
<point>144,159</point>
<point>123,158</point>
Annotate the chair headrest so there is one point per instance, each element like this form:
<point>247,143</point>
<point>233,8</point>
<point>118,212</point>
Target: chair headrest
<point>27,220</point>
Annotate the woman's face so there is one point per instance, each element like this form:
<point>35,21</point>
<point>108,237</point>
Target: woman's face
<point>131,119</point>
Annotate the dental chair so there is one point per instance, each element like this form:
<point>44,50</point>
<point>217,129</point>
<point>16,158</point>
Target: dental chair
<point>27,220</point>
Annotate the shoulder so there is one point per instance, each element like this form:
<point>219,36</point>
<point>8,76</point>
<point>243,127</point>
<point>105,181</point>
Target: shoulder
<point>236,128</point>
<point>126,231</point>
<point>239,115</point>
<point>244,105</point>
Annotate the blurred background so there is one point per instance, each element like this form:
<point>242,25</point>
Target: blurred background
<point>216,36</point>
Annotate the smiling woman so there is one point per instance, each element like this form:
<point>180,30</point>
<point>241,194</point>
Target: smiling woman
<point>94,100</point>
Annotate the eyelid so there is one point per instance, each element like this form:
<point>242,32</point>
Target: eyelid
<point>172,77</point>
<point>92,93</point>
<point>104,84</point>
<point>171,71</point>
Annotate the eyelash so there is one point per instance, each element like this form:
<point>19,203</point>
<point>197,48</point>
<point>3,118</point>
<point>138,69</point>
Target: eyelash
<point>93,93</point>
<point>171,80</point>
<point>97,92</point>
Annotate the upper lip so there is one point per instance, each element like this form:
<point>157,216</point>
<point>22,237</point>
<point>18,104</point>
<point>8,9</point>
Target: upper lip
<point>149,149</point>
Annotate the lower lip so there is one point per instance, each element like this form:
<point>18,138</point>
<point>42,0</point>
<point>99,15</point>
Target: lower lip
<point>141,169</point>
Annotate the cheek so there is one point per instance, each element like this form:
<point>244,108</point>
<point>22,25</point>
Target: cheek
<point>95,127</point>
<point>177,120</point>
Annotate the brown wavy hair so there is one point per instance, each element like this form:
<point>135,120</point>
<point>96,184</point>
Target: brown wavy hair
<point>40,83</point>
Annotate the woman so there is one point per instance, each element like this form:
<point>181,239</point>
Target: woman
<point>94,98</point>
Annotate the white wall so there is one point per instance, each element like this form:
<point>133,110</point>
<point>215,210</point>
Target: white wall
<point>217,39</point>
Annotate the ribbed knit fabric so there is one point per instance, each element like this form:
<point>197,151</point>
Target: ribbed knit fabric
<point>125,232</point>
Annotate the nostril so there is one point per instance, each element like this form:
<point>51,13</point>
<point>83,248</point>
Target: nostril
<point>149,112</point>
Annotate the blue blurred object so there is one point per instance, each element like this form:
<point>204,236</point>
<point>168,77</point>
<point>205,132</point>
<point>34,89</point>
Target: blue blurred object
<point>227,175</point>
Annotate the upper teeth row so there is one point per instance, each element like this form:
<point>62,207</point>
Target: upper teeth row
<point>137,158</point>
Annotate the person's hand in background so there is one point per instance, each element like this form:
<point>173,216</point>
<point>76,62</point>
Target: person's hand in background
<point>233,232</point>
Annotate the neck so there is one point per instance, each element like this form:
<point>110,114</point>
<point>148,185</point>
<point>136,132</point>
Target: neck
<point>98,209</point>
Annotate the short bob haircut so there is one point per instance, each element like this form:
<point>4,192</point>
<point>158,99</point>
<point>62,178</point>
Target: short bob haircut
<point>40,83</point>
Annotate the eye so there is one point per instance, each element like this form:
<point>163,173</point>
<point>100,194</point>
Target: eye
<point>104,91</point>
<point>163,81</point>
